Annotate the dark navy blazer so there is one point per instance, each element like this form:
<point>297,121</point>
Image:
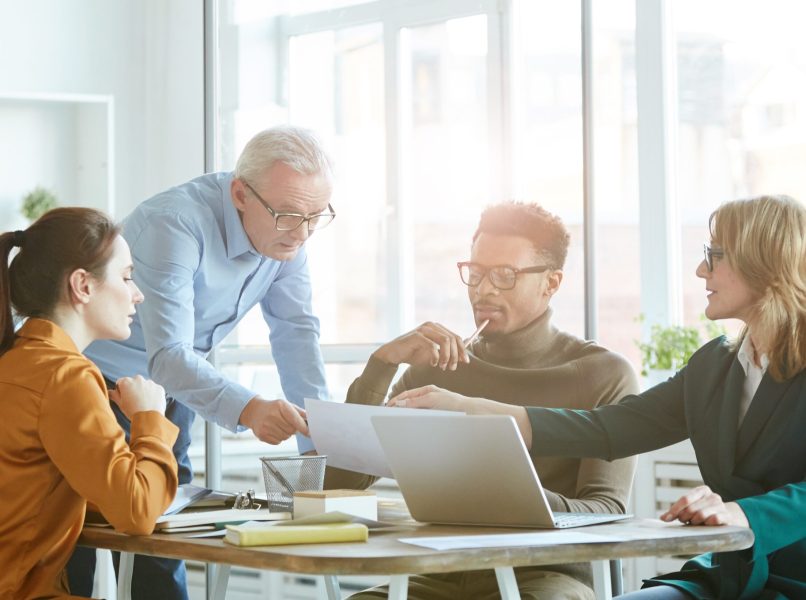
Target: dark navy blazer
<point>761,465</point>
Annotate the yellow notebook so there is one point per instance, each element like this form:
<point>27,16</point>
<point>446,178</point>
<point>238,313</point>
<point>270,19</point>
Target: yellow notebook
<point>264,534</point>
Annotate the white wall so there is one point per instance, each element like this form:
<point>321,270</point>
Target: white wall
<point>147,55</point>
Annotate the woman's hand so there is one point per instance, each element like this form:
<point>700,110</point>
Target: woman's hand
<point>137,394</point>
<point>431,396</point>
<point>701,506</point>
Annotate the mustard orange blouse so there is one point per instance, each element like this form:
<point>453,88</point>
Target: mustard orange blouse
<point>60,446</point>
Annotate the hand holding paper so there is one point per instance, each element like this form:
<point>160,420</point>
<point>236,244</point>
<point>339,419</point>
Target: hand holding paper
<point>345,433</point>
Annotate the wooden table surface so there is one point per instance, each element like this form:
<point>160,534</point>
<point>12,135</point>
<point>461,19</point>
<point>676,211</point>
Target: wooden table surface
<point>385,555</point>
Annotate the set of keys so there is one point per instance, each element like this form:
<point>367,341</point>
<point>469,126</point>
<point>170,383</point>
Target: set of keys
<point>246,501</point>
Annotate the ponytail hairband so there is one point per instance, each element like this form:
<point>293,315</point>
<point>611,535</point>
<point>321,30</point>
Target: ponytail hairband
<point>19,238</point>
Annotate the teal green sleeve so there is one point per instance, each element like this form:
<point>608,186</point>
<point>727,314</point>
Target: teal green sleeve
<point>777,518</point>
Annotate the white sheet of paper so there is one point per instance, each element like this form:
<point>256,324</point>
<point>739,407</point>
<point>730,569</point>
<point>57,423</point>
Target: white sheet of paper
<point>612,532</point>
<point>648,529</point>
<point>543,538</point>
<point>345,433</point>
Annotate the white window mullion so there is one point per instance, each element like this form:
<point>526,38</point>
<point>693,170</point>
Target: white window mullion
<point>399,249</point>
<point>499,100</point>
<point>657,126</point>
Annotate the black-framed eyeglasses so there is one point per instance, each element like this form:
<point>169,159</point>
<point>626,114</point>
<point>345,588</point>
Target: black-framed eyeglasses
<point>503,277</point>
<point>290,221</point>
<point>710,255</point>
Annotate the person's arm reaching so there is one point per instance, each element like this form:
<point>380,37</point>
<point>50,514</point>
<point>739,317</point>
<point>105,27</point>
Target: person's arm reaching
<point>637,424</point>
<point>431,396</point>
<point>166,253</point>
<point>294,336</point>
<point>130,484</point>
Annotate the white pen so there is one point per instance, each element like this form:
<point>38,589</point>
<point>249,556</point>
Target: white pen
<point>476,333</point>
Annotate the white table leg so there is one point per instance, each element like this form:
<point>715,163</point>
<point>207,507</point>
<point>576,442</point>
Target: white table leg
<point>220,580</point>
<point>332,587</point>
<point>602,587</point>
<point>507,583</point>
<point>125,569</point>
<point>398,587</point>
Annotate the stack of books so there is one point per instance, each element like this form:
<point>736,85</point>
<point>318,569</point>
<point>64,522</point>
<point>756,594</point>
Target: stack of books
<point>209,520</point>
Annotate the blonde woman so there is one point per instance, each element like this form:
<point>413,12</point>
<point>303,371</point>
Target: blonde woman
<point>60,444</point>
<point>752,391</point>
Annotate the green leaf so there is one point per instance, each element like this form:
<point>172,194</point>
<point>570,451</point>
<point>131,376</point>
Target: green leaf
<point>669,348</point>
<point>37,202</point>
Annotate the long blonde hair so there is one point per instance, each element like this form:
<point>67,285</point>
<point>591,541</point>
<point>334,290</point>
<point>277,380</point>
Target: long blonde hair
<point>764,240</point>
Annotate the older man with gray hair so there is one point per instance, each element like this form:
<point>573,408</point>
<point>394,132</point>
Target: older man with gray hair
<point>205,252</point>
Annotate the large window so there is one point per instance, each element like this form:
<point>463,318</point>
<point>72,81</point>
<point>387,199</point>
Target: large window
<point>547,154</point>
<point>434,110</point>
<point>409,102</point>
<point>446,157</point>
<point>742,114</point>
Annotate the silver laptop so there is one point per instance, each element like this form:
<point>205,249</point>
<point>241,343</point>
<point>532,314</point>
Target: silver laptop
<point>469,470</point>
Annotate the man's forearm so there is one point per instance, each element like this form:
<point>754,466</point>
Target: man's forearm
<point>191,380</point>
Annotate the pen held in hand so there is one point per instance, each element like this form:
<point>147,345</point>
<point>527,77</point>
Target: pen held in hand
<point>475,335</point>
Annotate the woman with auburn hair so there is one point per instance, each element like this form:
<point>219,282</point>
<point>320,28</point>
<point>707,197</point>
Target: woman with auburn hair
<point>60,444</point>
<point>752,391</point>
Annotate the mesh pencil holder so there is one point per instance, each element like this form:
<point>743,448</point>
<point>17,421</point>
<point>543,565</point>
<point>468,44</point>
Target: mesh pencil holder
<point>284,475</point>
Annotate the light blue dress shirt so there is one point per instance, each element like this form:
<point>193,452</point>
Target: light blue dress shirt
<point>200,274</point>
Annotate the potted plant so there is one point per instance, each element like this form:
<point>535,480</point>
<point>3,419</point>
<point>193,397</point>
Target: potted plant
<point>37,202</point>
<point>670,347</point>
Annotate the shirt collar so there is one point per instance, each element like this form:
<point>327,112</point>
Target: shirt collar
<point>47,331</point>
<point>746,354</point>
<point>236,239</point>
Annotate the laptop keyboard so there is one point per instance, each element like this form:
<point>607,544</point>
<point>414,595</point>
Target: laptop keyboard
<point>569,519</point>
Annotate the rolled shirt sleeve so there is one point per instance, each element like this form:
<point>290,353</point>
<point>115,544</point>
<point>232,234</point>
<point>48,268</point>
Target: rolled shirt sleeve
<point>200,276</point>
<point>294,336</point>
<point>166,261</point>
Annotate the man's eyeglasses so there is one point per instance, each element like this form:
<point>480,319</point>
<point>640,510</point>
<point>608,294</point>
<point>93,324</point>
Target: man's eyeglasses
<point>710,255</point>
<point>290,221</point>
<point>503,277</point>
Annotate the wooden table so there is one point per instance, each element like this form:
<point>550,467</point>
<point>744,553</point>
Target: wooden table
<point>385,555</point>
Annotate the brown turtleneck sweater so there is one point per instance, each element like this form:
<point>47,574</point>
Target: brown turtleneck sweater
<point>568,372</point>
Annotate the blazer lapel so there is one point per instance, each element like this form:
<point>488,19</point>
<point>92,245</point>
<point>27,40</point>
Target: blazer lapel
<point>764,403</point>
<point>729,418</point>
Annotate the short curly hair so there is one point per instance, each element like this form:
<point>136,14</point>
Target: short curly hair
<point>546,231</point>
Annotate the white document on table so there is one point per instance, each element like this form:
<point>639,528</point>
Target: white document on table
<point>345,433</point>
<point>616,532</point>
<point>543,538</point>
<point>650,529</point>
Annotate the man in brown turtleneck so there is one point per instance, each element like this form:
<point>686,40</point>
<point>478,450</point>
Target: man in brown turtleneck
<point>517,257</point>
